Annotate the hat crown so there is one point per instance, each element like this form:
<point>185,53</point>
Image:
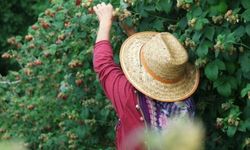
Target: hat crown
<point>164,57</point>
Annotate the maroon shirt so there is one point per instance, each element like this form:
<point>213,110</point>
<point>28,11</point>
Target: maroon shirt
<point>121,93</point>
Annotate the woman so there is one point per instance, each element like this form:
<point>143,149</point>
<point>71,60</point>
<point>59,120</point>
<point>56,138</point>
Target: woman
<point>154,84</point>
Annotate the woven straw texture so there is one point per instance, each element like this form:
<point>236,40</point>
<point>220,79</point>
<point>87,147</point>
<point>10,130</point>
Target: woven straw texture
<point>156,65</point>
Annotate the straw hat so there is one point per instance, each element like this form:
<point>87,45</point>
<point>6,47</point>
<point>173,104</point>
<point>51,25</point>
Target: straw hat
<point>156,65</point>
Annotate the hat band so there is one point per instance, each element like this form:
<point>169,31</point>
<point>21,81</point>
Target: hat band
<point>155,76</point>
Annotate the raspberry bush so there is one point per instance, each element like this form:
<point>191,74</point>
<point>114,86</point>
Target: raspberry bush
<point>15,17</point>
<point>55,100</point>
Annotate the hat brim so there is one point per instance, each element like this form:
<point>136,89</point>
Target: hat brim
<point>142,81</point>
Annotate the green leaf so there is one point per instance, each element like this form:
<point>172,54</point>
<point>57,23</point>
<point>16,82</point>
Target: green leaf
<point>196,37</point>
<point>129,21</point>
<point>245,61</point>
<point>158,25</point>
<point>224,89</point>
<point>203,48</point>
<point>248,29</point>
<point>246,15</point>
<point>242,127</point>
<point>247,123</point>
<point>239,32</point>
<point>211,71</point>
<point>209,33</point>
<point>231,131</point>
<point>245,3</point>
<point>182,23</point>
<point>188,1</point>
<point>245,91</point>
<point>164,5</point>
<point>60,16</point>
<point>220,64</point>
<point>52,49</point>
<point>149,7</point>
<point>200,23</point>
<point>231,67</point>
<point>220,8</point>
<point>197,12</point>
<point>233,82</point>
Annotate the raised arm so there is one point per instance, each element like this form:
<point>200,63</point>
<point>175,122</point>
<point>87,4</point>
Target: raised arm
<point>114,83</point>
<point>104,13</point>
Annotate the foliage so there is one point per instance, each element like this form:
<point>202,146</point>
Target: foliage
<point>15,17</point>
<point>55,101</point>
<point>176,136</point>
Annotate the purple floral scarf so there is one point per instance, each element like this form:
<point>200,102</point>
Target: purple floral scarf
<point>157,114</point>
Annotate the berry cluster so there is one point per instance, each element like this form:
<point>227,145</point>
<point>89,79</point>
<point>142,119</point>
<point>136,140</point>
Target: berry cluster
<point>231,17</point>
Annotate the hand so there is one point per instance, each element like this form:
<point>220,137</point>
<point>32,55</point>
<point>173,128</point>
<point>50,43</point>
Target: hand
<point>104,13</point>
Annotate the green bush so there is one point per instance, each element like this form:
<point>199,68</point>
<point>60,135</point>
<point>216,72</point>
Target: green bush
<point>15,17</point>
<point>55,101</point>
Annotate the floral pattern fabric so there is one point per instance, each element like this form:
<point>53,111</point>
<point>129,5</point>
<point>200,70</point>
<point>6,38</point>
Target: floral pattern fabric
<point>157,114</point>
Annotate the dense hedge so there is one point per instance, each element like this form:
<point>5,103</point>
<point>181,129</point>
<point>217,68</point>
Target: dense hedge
<point>55,101</point>
<point>15,17</point>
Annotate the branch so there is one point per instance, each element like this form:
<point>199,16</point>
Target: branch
<point>10,82</point>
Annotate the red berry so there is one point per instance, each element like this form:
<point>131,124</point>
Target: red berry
<point>45,25</point>
<point>79,82</point>
<point>66,24</point>
<point>34,27</point>
<point>78,2</point>
<point>37,62</point>
<point>27,71</point>
<point>62,96</point>
<point>90,10</point>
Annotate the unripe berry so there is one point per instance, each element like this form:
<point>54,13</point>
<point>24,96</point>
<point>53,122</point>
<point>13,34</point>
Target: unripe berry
<point>31,107</point>
<point>6,55</point>
<point>28,37</point>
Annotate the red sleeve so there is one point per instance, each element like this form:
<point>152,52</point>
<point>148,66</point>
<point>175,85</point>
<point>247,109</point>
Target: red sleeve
<point>115,85</point>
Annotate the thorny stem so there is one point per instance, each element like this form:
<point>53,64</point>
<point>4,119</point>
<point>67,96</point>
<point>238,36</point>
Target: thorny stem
<point>244,45</point>
<point>156,17</point>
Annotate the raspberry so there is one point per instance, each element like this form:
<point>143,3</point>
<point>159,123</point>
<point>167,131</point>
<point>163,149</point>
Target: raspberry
<point>78,2</point>
<point>6,55</point>
<point>37,62</point>
<point>79,82</point>
<point>45,25</point>
<point>62,96</point>
<point>34,27</point>
<point>28,37</point>
<point>31,107</point>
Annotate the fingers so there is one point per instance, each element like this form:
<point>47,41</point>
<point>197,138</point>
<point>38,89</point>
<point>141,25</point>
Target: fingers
<point>95,8</point>
<point>99,6</point>
<point>109,5</point>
